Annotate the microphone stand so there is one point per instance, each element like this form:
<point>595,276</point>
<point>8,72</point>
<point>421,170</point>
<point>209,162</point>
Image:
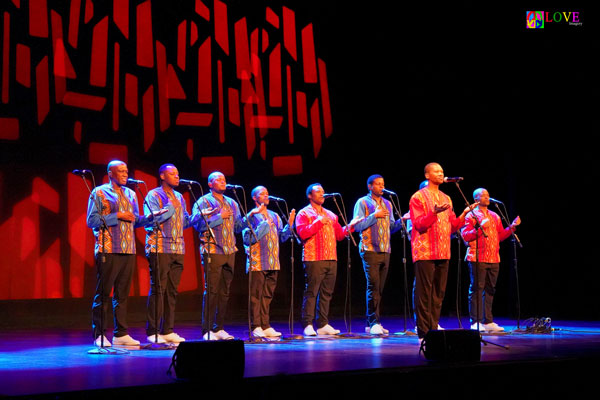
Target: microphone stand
<point>348,301</point>
<point>291,335</point>
<point>247,220</point>
<point>477,306</point>
<point>515,240</point>
<point>404,234</point>
<point>205,256</point>
<point>100,266</point>
<point>158,296</point>
<point>458,278</point>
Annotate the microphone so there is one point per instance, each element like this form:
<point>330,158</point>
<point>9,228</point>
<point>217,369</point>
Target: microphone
<point>495,201</point>
<point>328,195</point>
<point>133,181</point>
<point>228,186</point>
<point>454,179</point>
<point>389,192</point>
<point>80,172</point>
<point>187,182</point>
<point>276,198</point>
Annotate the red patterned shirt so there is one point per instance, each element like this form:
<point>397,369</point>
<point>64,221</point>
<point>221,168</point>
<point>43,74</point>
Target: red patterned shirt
<point>430,236</point>
<point>319,239</point>
<point>487,247</point>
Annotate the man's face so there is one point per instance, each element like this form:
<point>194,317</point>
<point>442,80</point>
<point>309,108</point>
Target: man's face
<point>218,183</point>
<point>483,198</point>
<point>262,197</point>
<point>316,196</point>
<point>377,187</point>
<point>118,174</point>
<point>435,174</point>
<point>170,176</point>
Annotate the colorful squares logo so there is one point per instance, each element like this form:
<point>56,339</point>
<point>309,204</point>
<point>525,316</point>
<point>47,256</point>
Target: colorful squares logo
<point>535,19</point>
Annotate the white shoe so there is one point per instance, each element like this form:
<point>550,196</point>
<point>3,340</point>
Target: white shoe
<point>327,330</point>
<point>152,339</point>
<point>481,327</point>
<point>376,329</point>
<point>439,328</point>
<point>309,331</point>
<point>223,335</point>
<point>270,332</point>
<point>385,331</point>
<point>125,341</point>
<point>258,332</point>
<point>493,327</point>
<point>213,336</point>
<point>172,338</point>
<point>99,339</point>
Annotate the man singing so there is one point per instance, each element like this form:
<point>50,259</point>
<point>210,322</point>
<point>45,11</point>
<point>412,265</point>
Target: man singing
<point>218,253</point>
<point>165,254</point>
<point>483,255</point>
<point>319,229</point>
<point>113,214</point>
<point>375,229</point>
<point>433,222</point>
<point>263,259</point>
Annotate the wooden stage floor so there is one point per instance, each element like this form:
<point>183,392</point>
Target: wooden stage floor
<point>41,362</point>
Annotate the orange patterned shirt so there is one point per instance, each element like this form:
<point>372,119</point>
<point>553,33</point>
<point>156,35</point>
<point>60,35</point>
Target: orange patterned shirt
<point>430,236</point>
<point>319,239</point>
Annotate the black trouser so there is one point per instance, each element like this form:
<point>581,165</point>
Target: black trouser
<point>170,268</point>
<point>431,277</point>
<point>116,272</point>
<point>262,288</point>
<point>216,290</point>
<point>376,269</point>
<point>483,284</point>
<point>320,283</point>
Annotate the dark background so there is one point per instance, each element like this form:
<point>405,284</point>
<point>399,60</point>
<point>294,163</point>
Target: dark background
<point>465,85</point>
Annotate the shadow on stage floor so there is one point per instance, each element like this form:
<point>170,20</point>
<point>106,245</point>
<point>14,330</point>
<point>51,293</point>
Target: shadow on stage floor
<point>55,364</point>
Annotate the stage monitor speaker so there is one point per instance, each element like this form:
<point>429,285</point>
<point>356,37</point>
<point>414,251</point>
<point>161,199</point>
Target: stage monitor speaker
<point>452,345</point>
<point>209,360</point>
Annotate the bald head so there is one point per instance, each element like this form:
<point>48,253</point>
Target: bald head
<point>118,172</point>
<point>113,164</point>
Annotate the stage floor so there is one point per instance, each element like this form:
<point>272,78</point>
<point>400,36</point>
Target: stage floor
<point>57,361</point>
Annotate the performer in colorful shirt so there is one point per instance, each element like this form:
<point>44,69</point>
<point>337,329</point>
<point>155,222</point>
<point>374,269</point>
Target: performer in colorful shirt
<point>169,248</point>
<point>375,228</point>
<point>319,229</point>
<point>218,255</point>
<point>483,255</point>
<point>433,222</point>
<point>113,214</point>
<point>263,259</point>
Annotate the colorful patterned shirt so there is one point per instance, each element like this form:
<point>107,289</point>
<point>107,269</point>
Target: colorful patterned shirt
<point>172,223</point>
<point>224,230</point>
<point>430,235</point>
<point>319,239</point>
<point>107,200</point>
<point>487,247</point>
<point>264,254</point>
<point>374,232</point>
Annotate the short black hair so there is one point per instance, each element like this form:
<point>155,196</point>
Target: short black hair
<point>310,188</point>
<point>372,178</point>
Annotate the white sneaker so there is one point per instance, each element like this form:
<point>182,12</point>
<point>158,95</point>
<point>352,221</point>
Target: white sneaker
<point>125,341</point>
<point>223,335</point>
<point>385,331</point>
<point>258,332</point>
<point>493,327</point>
<point>172,338</point>
<point>376,329</point>
<point>439,328</point>
<point>99,339</point>
<point>481,327</point>
<point>152,339</point>
<point>213,336</point>
<point>309,331</point>
<point>270,332</point>
<point>327,330</point>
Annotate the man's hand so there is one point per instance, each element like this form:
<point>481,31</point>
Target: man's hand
<point>515,223</point>
<point>125,216</point>
<point>381,212</point>
<point>438,209</point>
<point>262,209</point>
<point>292,217</point>
<point>226,213</point>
